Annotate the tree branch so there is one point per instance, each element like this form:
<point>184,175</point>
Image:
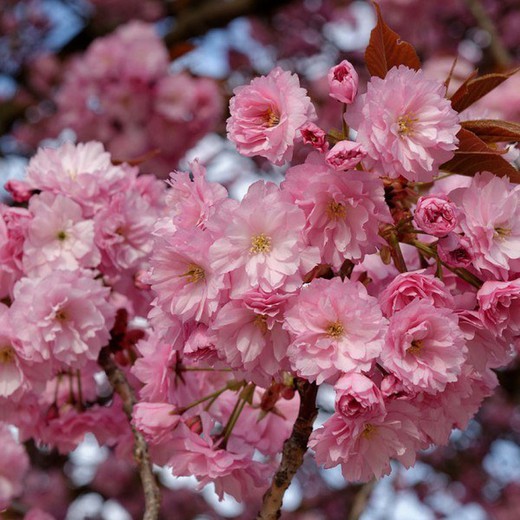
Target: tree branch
<point>120,385</point>
<point>498,50</point>
<point>294,449</point>
<point>190,22</point>
<point>361,500</point>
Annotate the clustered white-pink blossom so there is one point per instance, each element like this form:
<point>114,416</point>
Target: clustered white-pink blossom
<point>292,283</point>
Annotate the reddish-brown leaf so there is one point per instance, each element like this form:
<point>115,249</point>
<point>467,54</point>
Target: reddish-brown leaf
<point>475,88</point>
<point>180,49</point>
<point>494,130</point>
<point>474,156</point>
<point>386,49</point>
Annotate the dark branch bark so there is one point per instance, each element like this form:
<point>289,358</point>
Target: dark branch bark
<point>294,449</point>
<point>216,13</point>
<point>120,385</point>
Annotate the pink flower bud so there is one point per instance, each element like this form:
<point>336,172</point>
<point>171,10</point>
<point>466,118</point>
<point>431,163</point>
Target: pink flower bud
<point>454,250</point>
<point>314,136</point>
<point>343,82</point>
<point>19,190</point>
<point>435,215</point>
<point>345,155</point>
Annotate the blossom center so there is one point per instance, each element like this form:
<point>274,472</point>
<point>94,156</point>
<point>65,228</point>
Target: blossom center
<point>405,125</point>
<point>368,431</point>
<point>417,346</point>
<point>260,244</point>
<point>271,118</point>
<point>336,210</point>
<point>61,315</point>
<point>501,233</point>
<point>61,236</point>
<point>335,330</point>
<point>261,323</point>
<point>6,355</point>
<point>194,273</point>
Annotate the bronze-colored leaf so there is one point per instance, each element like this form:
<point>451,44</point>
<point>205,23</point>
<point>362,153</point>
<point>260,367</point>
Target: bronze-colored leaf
<point>475,88</point>
<point>474,156</point>
<point>386,49</point>
<point>494,130</point>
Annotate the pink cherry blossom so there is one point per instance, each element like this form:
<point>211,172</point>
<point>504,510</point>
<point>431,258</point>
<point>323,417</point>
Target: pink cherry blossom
<point>335,327</point>
<point>356,394</point>
<point>64,317</point>
<point>156,421</point>
<point>455,250</point>
<point>192,200</point>
<point>264,246</point>
<point>499,307</point>
<point>406,125</point>
<point>232,472</point>
<point>490,209</point>
<point>267,114</point>
<point>182,278</point>
<point>14,223</point>
<point>425,347</point>
<point>82,172</point>
<point>436,215</point>
<point>415,285</point>
<point>58,237</point>
<point>343,209</point>
<point>364,445</point>
<point>250,337</point>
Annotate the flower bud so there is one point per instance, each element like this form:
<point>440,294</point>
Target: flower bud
<point>435,215</point>
<point>345,155</point>
<point>314,136</point>
<point>343,82</point>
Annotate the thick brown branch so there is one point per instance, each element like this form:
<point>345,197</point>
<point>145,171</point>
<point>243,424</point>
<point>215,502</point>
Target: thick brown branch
<point>120,385</point>
<point>294,449</point>
<point>192,22</point>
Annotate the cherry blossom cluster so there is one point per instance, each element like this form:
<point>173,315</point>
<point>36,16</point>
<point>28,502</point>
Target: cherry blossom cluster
<point>120,92</point>
<point>296,281</point>
<point>72,254</point>
<point>366,271</point>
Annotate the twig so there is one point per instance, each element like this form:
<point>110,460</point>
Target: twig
<point>294,449</point>
<point>498,50</point>
<point>361,500</point>
<point>120,385</point>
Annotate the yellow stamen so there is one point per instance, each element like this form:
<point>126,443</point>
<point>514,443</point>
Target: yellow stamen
<point>6,354</point>
<point>261,323</point>
<point>61,236</point>
<point>501,233</point>
<point>260,244</point>
<point>194,273</point>
<point>417,346</point>
<point>368,431</point>
<point>61,315</point>
<point>335,329</point>
<point>405,125</point>
<point>271,118</point>
<point>336,210</point>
